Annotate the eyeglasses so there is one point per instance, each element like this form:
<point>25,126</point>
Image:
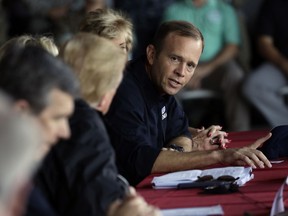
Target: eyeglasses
<point>221,185</point>
<point>222,188</point>
<point>224,178</point>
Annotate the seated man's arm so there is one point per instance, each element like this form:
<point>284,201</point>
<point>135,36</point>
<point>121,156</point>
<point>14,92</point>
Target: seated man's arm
<point>228,52</point>
<point>184,142</point>
<point>270,42</point>
<point>268,50</point>
<point>171,161</point>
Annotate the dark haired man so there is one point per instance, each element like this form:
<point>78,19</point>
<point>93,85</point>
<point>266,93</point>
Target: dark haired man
<point>40,84</point>
<point>144,116</point>
<point>45,87</point>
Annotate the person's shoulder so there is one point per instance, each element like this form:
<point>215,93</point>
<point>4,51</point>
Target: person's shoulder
<point>38,204</point>
<point>85,118</point>
<point>133,88</point>
<point>129,94</point>
<point>87,130</point>
<point>131,81</point>
<point>83,111</point>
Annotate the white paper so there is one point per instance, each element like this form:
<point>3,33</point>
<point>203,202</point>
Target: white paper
<point>195,211</point>
<point>278,204</point>
<point>171,180</point>
<point>276,161</point>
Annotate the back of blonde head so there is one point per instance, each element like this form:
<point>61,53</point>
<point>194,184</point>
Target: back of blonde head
<point>108,23</point>
<point>97,62</point>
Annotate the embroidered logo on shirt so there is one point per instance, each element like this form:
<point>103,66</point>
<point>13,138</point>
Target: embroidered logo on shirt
<point>163,112</point>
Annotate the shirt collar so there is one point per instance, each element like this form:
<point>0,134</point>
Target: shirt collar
<point>148,88</point>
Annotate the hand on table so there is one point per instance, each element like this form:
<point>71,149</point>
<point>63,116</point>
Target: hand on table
<point>211,138</point>
<point>248,155</point>
<point>132,205</point>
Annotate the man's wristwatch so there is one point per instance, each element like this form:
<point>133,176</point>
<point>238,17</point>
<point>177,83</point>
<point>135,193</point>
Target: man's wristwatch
<point>176,147</point>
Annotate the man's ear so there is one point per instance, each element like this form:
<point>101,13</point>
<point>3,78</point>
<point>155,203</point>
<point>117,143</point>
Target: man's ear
<point>22,106</point>
<point>101,103</point>
<point>151,53</point>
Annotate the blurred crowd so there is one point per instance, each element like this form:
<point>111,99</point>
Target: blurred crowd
<point>230,49</point>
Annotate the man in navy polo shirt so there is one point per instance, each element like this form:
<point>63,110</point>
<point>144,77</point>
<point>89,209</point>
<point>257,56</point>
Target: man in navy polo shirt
<point>145,117</point>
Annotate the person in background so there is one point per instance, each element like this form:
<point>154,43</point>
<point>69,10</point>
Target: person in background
<point>45,87</point>
<point>79,175</point>
<point>263,87</point>
<point>144,116</point>
<point>217,69</point>
<point>31,76</point>
<point>59,19</point>
<point>146,16</point>
<point>116,26</point>
<point>19,145</point>
<point>110,24</point>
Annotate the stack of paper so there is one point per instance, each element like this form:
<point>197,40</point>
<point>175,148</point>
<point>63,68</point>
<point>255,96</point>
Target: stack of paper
<point>278,203</point>
<point>207,210</point>
<point>171,180</point>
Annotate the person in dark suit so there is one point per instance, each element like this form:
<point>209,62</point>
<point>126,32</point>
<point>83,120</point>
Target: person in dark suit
<point>144,116</point>
<point>19,145</point>
<point>43,86</point>
<point>79,175</point>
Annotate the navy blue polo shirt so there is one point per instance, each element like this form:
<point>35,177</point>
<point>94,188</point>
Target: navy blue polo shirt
<point>141,121</point>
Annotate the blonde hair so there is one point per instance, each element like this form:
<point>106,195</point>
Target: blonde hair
<point>45,42</point>
<point>110,24</point>
<point>97,62</point>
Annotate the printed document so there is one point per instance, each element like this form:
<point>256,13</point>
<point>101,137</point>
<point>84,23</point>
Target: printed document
<point>209,210</point>
<point>171,180</point>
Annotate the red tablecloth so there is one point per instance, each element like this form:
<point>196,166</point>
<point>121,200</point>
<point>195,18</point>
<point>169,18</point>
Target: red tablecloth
<point>254,198</point>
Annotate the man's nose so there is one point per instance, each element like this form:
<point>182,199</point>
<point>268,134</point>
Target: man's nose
<point>180,70</point>
<point>65,132</point>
